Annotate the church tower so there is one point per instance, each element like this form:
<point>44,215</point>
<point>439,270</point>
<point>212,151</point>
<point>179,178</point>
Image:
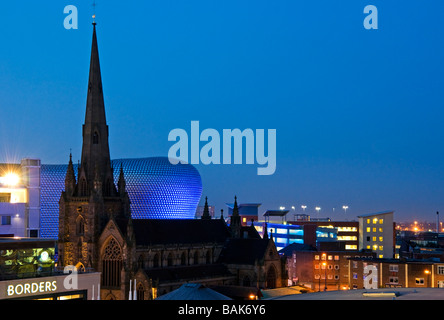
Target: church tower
<point>90,201</point>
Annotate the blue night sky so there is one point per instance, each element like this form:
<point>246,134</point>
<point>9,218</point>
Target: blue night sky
<point>358,112</point>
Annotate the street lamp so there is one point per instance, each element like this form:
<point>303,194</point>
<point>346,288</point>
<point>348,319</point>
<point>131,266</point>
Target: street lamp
<point>427,272</point>
<point>345,209</point>
<point>318,209</point>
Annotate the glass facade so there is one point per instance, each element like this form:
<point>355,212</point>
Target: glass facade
<point>157,190</point>
<point>26,259</point>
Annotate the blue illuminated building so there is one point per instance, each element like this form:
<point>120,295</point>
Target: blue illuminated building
<point>157,190</point>
<point>285,234</point>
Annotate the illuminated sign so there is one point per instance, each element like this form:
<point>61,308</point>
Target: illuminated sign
<point>31,288</point>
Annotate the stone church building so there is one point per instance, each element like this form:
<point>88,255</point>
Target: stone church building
<point>147,257</point>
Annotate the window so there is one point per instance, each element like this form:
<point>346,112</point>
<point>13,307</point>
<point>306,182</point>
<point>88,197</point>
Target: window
<point>355,275</point>
<point>80,226</point>
<point>374,229</point>
<point>112,264</point>
<point>95,138</point>
<point>336,277</point>
<point>393,280</point>
<point>368,229</point>
<point>316,257</point>
<point>336,267</point>
<point>336,258</point>
<point>381,239</point>
<point>6,220</point>
<point>330,257</point>
<point>368,221</point>
<point>419,281</point>
<point>140,292</point>
<point>393,268</point>
<point>440,269</point>
<point>381,221</point>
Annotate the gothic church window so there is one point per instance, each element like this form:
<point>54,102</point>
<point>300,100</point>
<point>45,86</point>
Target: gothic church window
<point>80,226</point>
<point>112,264</point>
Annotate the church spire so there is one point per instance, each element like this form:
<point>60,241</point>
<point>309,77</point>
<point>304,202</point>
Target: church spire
<point>70,178</point>
<point>206,212</point>
<point>95,149</point>
<point>235,221</point>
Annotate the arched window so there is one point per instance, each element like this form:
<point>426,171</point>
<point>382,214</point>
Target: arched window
<point>95,138</point>
<point>196,257</point>
<point>170,260</point>
<point>140,292</point>
<point>271,278</point>
<point>156,261</point>
<point>112,264</point>
<point>183,259</point>
<point>140,262</point>
<point>80,226</point>
<point>83,187</point>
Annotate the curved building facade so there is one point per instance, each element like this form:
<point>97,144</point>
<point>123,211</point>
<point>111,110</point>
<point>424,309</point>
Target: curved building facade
<point>157,190</point>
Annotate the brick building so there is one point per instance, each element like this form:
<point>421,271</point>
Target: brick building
<point>398,273</point>
<point>320,269</point>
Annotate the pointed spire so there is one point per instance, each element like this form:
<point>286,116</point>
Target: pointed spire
<point>95,147</point>
<point>70,178</point>
<point>121,183</point>
<point>235,221</point>
<point>235,208</point>
<point>222,214</point>
<point>206,212</point>
<point>265,236</point>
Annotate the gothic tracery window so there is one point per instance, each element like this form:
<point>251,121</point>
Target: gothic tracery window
<point>111,264</point>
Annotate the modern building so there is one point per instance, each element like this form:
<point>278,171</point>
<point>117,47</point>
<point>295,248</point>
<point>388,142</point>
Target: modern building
<point>20,199</point>
<point>28,271</point>
<point>156,188</point>
<point>346,231</point>
<point>247,211</point>
<point>377,233</point>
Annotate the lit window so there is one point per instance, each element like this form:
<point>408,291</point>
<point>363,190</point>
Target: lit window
<point>375,220</point>
<point>381,248</point>
<point>373,238</point>
<point>374,230</point>
<point>368,221</point>
<point>381,239</point>
<point>381,221</point>
<point>336,258</point>
<point>330,257</point>
<point>316,257</point>
<point>380,229</point>
<point>368,229</point>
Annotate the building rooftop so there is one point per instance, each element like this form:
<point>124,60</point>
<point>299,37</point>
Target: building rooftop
<point>364,294</point>
<point>375,214</point>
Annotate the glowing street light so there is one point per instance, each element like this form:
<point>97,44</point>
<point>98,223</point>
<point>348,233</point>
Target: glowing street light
<point>345,209</point>
<point>11,179</point>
